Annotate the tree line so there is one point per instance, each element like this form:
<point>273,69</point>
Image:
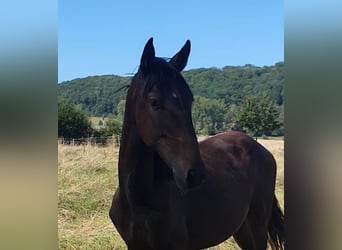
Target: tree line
<point>246,98</point>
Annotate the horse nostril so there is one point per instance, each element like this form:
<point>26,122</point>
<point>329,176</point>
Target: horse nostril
<point>194,177</point>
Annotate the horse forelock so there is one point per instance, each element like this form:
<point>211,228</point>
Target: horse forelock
<point>164,79</point>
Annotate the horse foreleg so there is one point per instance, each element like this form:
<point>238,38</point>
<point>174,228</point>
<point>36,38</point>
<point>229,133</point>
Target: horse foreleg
<point>244,238</point>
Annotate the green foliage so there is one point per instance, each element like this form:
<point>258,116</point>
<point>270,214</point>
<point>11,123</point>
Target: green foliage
<point>208,115</point>
<point>258,115</point>
<point>120,110</point>
<point>234,83</point>
<point>97,95</point>
<point>223,90</point>
<point>112,127</point>
<point>72,123</point>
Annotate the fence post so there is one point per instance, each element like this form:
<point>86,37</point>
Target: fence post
<point>91,141</point>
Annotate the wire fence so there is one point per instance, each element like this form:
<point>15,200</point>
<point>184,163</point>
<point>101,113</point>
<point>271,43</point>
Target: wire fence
<point>91,141</point>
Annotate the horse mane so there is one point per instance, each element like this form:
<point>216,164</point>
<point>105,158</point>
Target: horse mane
<point>162,172</point>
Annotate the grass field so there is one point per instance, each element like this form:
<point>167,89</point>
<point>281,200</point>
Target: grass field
<point>87,178</point>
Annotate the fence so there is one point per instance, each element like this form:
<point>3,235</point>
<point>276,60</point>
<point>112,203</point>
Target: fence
<point>92,141</point>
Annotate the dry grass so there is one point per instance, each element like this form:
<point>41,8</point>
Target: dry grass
<point>87,178</point>
<point>276,147</point>
<point>86,185</point>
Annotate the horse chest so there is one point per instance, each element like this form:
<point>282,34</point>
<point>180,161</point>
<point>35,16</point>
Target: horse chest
<point>156,230</point>
<point>141,229</point>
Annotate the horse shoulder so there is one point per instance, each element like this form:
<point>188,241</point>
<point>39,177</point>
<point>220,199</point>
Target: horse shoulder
<point>224,147</point>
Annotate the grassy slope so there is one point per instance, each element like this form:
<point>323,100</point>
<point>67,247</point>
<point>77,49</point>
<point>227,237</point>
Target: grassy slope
<point>87,179</point>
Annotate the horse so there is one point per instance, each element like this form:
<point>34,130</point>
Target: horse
<point>177,193</point>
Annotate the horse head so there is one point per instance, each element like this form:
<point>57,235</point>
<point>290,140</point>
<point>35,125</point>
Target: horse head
<point>162,114</point>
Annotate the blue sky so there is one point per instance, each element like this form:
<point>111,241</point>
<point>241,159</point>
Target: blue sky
<point>107,37</point>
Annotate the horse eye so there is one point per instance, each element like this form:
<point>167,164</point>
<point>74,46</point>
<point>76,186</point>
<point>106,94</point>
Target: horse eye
<point>155,104</point>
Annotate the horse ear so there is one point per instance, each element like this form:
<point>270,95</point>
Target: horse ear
<point>147,57</point>
<point>180,60</point>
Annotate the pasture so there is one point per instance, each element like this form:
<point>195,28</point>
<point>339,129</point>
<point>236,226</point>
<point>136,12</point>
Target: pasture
<point>87,178</point>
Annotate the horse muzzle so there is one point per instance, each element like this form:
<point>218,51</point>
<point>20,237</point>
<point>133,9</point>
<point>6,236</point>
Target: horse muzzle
<point>189,179</point>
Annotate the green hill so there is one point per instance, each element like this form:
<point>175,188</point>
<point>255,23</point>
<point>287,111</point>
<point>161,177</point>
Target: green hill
<point>97,96</point>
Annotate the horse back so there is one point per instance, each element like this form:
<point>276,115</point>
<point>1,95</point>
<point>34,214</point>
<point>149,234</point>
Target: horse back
<point>235,152</point>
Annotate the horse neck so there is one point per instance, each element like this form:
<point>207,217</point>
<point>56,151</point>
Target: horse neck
<point>134,155</point>
<point>136,163</point>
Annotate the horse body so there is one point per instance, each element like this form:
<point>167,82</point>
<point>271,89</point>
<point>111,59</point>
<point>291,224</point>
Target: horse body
<point>234,189</point>
<point>176,193</point>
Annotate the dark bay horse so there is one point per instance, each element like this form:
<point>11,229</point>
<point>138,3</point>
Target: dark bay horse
<point>175,193</point>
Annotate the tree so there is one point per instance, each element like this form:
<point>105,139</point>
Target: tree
<point>112,127</point>
<point>72,123</point>
<point>120,110</point>
<point>258,115</point>
<point>209,115</point>
<point>99,95</point>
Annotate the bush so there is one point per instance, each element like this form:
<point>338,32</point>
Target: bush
<point>72,123</point>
